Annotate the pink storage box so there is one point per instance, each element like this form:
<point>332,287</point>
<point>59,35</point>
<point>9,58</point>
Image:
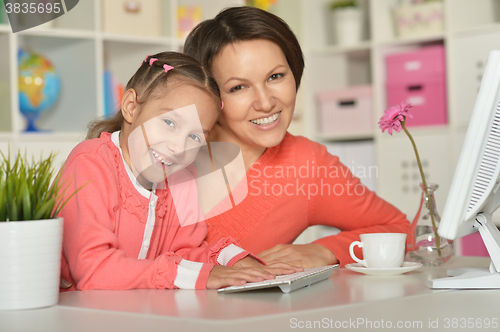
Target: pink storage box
<point>419,78</point>
<point>428,98</point>
<point>473,245</point>
<point>416,65</point>
<point>345,111</point>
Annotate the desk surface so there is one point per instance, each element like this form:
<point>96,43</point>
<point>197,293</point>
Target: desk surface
<point>346,300</point>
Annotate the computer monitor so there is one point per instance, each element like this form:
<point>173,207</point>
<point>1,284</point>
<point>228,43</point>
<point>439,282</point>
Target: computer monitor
<point>474,193</point>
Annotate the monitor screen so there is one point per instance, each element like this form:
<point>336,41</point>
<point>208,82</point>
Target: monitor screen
<point>474,193</point>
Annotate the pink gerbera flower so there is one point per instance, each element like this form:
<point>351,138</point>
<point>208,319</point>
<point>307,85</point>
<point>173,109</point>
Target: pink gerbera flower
<point>394,116</point>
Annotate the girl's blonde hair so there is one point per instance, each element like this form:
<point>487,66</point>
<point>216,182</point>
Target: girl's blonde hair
<point>151,77</point>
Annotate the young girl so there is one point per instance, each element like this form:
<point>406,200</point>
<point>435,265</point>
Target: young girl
<point>122,230</point>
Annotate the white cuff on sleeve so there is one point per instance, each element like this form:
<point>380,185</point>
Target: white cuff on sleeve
<point>228,253</point>
<point>187,274</point>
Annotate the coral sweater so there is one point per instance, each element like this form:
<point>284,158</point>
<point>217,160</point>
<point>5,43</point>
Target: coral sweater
<point>298,184</point>
<point>105,226</point>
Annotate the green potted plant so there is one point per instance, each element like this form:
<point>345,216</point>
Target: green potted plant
<point>347,18</point>
<point>31,196</point>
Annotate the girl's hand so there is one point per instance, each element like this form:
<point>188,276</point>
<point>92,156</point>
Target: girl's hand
<point>223,276</point>
<point>304,255</point>
<point>276,268</point>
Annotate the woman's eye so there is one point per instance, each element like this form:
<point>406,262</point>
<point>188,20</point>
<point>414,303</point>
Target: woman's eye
<point>275,77</point>
<point>169,122</point>
<point>236,88</point>
<point>195,138</point>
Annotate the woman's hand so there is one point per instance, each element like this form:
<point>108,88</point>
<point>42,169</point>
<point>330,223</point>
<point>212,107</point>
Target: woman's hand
<point>277,268</point>
<point>304,255</point>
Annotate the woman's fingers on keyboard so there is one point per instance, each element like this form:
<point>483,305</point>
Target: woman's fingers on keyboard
<point>284,267</point>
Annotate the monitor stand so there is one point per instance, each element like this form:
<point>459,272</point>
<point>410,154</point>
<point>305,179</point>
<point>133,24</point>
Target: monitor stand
<point>476,278</point>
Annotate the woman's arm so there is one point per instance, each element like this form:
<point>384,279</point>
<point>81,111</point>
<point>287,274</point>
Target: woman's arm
<point>343,202</point>
<point>350,207</point>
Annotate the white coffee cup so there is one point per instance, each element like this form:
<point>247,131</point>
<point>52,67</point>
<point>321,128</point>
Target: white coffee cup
<point>380,250</point>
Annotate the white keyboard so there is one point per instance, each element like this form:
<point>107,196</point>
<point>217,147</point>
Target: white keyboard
<point>287,282</point>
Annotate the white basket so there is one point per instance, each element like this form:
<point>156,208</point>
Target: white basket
<point>419,19</point>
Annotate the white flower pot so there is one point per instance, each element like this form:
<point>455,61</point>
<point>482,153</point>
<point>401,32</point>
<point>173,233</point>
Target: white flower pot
<point>348,25</point>
<point>30,260</point>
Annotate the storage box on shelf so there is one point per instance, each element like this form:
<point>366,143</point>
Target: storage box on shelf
<point>346,111</point>
<point>133,17</point>
<point>418,19</point>
<point>419,77</point>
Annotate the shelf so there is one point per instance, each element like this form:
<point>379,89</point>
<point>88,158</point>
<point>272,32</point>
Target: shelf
<point>489,28</point>
<point>58,33</point>
<point>355,136</point>
<point>51,136</point>
<point>111,37</point>
<point>412,40</point>
<point>417,131</point>
<point>365,46</point>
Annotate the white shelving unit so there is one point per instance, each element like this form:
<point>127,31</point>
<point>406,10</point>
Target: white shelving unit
<point>472,29</point>
<point>81,52</point>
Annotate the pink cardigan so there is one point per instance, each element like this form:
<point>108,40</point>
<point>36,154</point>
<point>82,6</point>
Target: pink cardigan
<point>104,225</point>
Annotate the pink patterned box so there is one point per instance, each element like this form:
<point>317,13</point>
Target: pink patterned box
<point>419,78</point>
<point>346,111</point>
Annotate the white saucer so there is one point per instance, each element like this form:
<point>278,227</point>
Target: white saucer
<point>391,271</point>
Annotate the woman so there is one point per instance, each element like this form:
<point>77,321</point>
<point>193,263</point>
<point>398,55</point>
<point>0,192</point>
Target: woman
<point>293,182</point>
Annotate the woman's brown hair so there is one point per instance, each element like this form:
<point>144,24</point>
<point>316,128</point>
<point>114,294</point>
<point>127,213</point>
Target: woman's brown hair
<point>149,80</point>
<point>244,23</point>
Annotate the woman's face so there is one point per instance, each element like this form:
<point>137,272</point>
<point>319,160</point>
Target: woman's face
<point>168,131</point>
<point>258,90</point>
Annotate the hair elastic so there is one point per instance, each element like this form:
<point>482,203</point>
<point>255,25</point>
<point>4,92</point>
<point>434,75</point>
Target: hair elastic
<point>152,60</point>
<point>222,105</point>
<point>146,60</point>
<point>167,68</point>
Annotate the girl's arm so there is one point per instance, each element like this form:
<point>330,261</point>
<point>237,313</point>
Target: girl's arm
<point>95,259</point>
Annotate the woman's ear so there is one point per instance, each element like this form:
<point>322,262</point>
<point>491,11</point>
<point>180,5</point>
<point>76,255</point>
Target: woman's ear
<point>129,105</point>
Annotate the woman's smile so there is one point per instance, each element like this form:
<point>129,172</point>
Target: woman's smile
<point>258,89</point>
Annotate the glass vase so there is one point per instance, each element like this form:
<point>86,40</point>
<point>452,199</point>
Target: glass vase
<point>422,245</point>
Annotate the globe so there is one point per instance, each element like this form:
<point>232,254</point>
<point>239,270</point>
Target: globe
<point>39,86</point>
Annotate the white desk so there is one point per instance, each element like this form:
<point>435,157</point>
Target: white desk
<point>346,298</point>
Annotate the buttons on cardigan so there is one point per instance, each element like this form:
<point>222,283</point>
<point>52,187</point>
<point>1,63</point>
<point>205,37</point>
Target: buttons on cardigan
<point>152,203</point>
<point>146,243</point>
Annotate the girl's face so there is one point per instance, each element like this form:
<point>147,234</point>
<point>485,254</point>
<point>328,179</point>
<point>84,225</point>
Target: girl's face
<point>167,132</point>
<point>258,90</point>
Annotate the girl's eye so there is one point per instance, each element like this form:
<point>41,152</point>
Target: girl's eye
<point>169,122</point>
<point>236,88</point>
<point>195,138</point>
<point>275,77</point>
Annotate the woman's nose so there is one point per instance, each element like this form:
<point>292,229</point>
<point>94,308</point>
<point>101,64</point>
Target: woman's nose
<point>264,100</point>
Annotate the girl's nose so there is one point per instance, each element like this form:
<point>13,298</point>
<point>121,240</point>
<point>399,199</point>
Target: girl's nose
<point>177,145</point>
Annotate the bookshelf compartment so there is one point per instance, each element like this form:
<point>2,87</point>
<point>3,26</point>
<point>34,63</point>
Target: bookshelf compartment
<point>5,85</point>
<point>75,62</point>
